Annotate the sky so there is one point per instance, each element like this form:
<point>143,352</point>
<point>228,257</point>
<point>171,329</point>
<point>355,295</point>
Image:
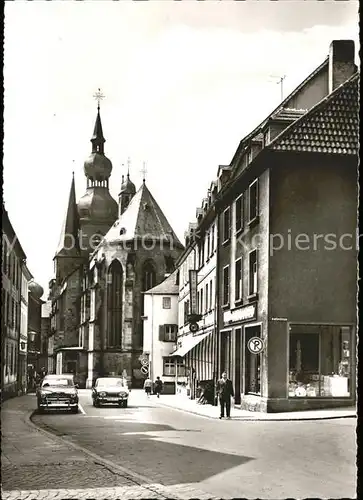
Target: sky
<point>183,82</point>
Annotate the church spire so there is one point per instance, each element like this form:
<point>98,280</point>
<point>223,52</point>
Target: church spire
<point>69,235</point>
<point>97,139</point>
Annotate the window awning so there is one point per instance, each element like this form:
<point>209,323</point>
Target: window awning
<point>188,343</point>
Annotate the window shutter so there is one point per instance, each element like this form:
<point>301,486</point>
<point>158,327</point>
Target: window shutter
<point>162,333</point>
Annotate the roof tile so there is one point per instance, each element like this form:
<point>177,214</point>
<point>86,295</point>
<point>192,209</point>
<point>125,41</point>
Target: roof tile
<point>329,127</point>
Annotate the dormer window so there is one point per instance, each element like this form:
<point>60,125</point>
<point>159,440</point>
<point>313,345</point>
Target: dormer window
<point>122,230</point>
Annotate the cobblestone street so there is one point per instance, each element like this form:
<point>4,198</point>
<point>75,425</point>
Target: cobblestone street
<point>149,451</point>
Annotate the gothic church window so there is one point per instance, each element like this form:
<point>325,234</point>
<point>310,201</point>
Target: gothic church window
<point>149,276</point>
<point>169,264</point>
<point>114,304</point>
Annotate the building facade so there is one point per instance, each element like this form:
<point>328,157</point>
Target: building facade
<point>161,331</point>
<point>13,257</point>
<point>34,343</point>
<point>289,202</point>
<point>197,299</point>
<point>109,254</point>
<point>26,277</point>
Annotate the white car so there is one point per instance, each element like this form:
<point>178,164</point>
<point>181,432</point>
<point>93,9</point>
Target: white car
<point>110,390</point>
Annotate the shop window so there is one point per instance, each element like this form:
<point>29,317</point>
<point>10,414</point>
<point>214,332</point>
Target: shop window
<point>226,286</point>
<point>320,361</point>
<point>238,278</point>
<point>239,214</point>
<point>173,366</point>
<point>166,303</point>
<point>226,225</point>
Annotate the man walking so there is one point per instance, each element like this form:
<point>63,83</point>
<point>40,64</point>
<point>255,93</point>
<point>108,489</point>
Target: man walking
<point>158,386</point>
<point>225,391</point>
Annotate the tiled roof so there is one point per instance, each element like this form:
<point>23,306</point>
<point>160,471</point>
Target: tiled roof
<point>329,127</point>
<point>166,287</point>
<point>143,218</point>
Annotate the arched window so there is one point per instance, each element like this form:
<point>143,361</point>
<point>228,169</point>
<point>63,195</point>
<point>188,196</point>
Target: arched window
<point>114,304</point>
<point>148,276</point>
<point>169,264</point>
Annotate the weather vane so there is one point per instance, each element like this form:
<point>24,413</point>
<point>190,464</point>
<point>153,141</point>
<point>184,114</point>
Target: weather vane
<point>143,171</point>
<point>98,96</point>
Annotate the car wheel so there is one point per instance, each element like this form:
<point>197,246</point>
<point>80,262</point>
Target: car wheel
<point>124,404</point>
<point>75,409</point>
<point>96,404</point>
<point>40,410</point>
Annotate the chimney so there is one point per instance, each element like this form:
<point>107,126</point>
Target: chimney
<point>341,62</point>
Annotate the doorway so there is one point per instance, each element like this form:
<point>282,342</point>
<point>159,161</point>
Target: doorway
<point>238,366</point>
<point>253,363</point>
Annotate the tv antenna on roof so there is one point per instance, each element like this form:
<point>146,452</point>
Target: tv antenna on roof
<point>280,81</point>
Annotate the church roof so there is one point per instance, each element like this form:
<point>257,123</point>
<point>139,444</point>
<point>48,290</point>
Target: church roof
<point>166,287</point>
<point>69,235</point>
<point>143,218</point>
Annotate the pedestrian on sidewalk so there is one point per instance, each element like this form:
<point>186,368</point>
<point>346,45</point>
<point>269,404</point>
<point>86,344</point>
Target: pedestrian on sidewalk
<point>147,386</point>
<point>225,392</point>
<point>158,386</point>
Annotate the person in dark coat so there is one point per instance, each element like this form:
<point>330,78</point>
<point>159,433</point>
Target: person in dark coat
<point>158,386</point>
<point>225,392</point>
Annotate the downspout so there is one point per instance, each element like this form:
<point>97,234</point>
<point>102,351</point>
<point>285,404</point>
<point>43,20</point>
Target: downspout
<point>216,312</point>
<point>151,363</point>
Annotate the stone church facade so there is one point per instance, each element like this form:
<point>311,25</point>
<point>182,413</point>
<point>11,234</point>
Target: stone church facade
<point>109,254</point>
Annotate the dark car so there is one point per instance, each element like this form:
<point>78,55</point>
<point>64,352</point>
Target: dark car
<point>110,390</point>
<point>57,392</point>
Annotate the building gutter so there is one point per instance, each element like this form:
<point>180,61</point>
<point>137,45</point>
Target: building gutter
<point>216,309</point>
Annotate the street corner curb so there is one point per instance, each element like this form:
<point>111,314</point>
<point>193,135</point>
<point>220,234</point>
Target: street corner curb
<point>253,419</point>
<point>165,405</point>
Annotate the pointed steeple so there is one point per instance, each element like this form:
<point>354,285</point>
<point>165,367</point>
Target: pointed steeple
<point>97,139</point>
<point>69,242</point>
<point>128,190</point>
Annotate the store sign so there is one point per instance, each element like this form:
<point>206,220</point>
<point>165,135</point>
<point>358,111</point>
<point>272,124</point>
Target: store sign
<point>245,313</point>
<point>193,291</point>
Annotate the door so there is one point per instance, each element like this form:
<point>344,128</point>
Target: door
<point>253,363</point>
<point>238,366</point>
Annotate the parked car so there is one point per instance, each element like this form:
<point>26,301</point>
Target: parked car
<point>58,392</point>
<point>110,390</point>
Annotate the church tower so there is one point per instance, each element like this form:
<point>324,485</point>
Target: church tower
<point>127,191</point>
<point>97,209</point>
<point>68,255</point>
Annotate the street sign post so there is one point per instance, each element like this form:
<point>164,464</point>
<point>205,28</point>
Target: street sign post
<point>145,369</point>
<point>255,345</point>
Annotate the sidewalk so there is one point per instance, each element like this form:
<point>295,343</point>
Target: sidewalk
<point>185,404</point>
<point>36,464</point>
